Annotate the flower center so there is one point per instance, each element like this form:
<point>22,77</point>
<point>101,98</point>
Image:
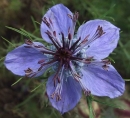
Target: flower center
<point>63,54</point>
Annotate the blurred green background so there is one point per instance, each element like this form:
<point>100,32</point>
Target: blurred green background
<point>18,101</point>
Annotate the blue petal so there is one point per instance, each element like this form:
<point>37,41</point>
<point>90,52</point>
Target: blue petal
<point>22,58</point>
<point>70,95</point>
<point>103,82</point>
<point>58,15</point>
<point>104,45</point>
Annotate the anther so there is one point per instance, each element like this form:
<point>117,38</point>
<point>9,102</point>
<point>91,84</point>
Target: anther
<point>28,42</point>
<point>99,31</point>
<point>63,39</point>
<point>70,16</point>
<point>38,46</point>
<point>41,61</point>
<point>75,43</point>
<point>40,68</point>
<point>84,41</point>
<point>106,61</point>
<point>58,98</point>
<point>87,92</point>
<point>75,16</point>
<point>27,46</point>
<point>69,36</point>
<point>54,33</point>
<point>50,21</point>
<point>46,22</point>
<point>105,67</point>
<point>58,79</point>
<point>29,70</point>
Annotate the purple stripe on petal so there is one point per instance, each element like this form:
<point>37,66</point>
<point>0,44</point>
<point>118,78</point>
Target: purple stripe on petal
<point>24,59</point>
<point>70,94</point>
<point>99,46</point>
<point>58,21</point>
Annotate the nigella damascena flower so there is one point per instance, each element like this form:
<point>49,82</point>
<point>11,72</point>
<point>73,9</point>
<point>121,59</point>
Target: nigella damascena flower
<point>78,61</point>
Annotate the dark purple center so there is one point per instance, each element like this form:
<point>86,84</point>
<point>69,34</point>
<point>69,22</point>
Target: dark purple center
<point>63,54</point>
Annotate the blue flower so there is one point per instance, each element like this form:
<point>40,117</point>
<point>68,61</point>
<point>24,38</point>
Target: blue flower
<point>79,61</point>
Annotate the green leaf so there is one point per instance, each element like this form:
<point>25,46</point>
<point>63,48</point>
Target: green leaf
<point>111,59</point>
<point>25,33</point>
<point>2,58</point>
<point>107,12</point>
<point>34,23</point>
<point>27,100</point>
<point>125,51</point>
<point>127,80</point>
<point>16,30</point>
<point>108,103</point>
<point>8,41</point>
<point>37,22</point>
<point>36,87</point>
<point>31,35</point>
<point>17,81</point>
<point>89,102</point>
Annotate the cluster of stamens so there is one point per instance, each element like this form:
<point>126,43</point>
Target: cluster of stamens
<point>65,53</point>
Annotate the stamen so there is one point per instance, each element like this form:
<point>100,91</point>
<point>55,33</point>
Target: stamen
<point>51,38</point>
<point>50,21</point>
<point>38,46</point>
<point>82,43</point>
<point>52,61</point>
<point>73,72</point>
<point>58,79</point>
<point>47,63</point>
<point>46,66</point>
<point>70,16</point>
<point>74,19</point>
<point>75,16</point>
<point>105,67</point>
<point>48,52</point>
<point>46,22</point>
<point>69,36</point>
<point>74,45</point>
<point>44,48</point>
<point>28,42</point>
<point>106,61</point>
<point>68,30</point>
<point>39,69</point>
<point>41,48</point>
<point>41,61</point>
<point>54,33</point>
<point>99,32</point>
<point>34,74</point>
<point>87,92</point>
<point>57,95</point>
<point>28,72</point>
<point>58,90</point>
<point>57,73</point>
<point>27,46</point>
<point>79,79</point>
<point>83,60</point>
<point>63,40</point>
<point>85,40</point>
